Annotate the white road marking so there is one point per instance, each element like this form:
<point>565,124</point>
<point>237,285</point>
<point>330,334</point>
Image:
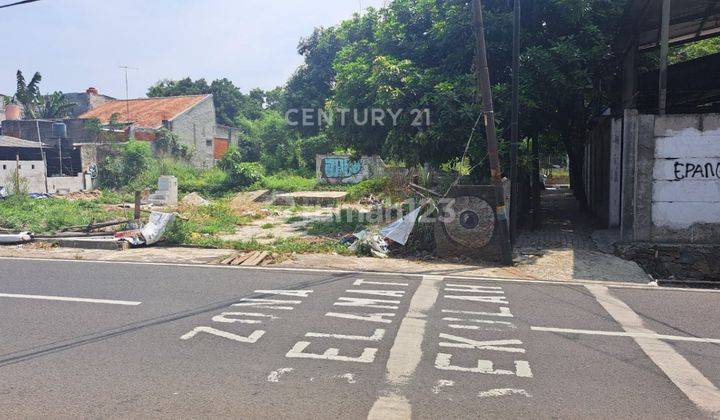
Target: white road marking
<point>70,299</point>
<point>467,343</point>
<point>368,303</point>
<point>367,356</point>
<point>504,312</point>
<point>377,336</point>
<point>656,336</point>
<point>684,375</point>
<point>605,283</point>
<point>485,299</point>
<point>360,282</point>
<point>268,303</point>
<point>393,406</point>
<point>480,321</point>
<point>473,288</point>
<point>251,339</point>
<point>406,351</point>
<point>522,367</point>
<point>274,376</point>
<point>295,293</point>
<point>385,293</point>
<point>501,392</point>
<point>442,383</point>
<point>377,317</point>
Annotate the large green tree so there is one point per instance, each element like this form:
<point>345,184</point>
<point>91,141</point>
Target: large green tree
<point>230,102</point>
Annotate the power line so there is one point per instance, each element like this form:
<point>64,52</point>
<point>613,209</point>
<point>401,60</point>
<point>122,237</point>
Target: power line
<point>18,3</point>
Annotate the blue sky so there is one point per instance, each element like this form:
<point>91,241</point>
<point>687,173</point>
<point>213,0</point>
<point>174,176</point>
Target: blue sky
<point>75,44</point>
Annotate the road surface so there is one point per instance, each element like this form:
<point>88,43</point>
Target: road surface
<point>122,340</point>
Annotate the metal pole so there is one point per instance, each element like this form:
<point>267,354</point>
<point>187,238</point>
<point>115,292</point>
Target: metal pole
<point>664,51</point>
<point>482,74</point>
<point>514,124</point>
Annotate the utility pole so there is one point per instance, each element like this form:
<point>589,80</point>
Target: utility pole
<point>664,51</point>
<point>514,124</point>
<point>482,73</point>
<point>127,90</point>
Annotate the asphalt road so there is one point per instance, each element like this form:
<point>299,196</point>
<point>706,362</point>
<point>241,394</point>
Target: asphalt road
<point>117,340</point>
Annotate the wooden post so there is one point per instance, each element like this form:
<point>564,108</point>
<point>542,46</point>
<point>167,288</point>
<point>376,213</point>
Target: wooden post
<point>17,173</point>
<point>664,51</point>
<point>514,124</point>
<point>482,74</point>
<point>138,199</point>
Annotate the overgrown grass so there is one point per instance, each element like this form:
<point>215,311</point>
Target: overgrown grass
<point>206,182</point>
<point>51,214</point>
<point>344,222</point>
<point>285,182</point>
<point>376,186</point>
<point>206,222</point>
<point>285,246</point>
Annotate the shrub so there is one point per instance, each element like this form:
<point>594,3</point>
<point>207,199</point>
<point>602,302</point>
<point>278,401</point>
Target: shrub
<point>311,147</point>
<point>368,187</point>
<point>239,174</point>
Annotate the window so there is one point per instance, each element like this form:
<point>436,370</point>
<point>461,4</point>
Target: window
<point>4,167</point>
<point>208,143</point>
<point>32,166</point>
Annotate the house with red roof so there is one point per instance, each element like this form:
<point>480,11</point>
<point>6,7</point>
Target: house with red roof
<point>191,118</point>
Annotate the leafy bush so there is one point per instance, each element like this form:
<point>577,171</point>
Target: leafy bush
<point>239,174</point>
<point>313,146</point>
<point>368,187</point>
<point>134,169</point>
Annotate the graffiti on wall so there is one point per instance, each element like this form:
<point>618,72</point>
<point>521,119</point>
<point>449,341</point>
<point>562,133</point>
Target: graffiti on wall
<point>344,170</point>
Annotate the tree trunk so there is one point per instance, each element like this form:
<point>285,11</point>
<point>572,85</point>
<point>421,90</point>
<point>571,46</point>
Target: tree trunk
<point>138,197</point>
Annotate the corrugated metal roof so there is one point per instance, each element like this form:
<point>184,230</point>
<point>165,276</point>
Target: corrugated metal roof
<point>7,141</point>
<point>690,20</point>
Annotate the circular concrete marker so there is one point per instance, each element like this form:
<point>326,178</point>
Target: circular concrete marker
<point>473,223</point>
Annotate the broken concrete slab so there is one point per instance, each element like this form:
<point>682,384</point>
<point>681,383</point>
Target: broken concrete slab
<point>101,243</point>
<point>194,200</point>
<point>311,198</point>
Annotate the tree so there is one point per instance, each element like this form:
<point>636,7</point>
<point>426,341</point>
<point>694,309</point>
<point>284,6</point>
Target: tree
<point>230,102</point>
<point>28,94</point>
<point>54,106</point>
<point>137,163</point>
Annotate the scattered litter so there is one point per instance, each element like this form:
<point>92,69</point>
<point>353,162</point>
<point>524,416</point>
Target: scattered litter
<point>194,200</point>
<point>348,376</point>
<point>149,234</point>
<point>3,193</point>
<point>441,384</point>
<point>247,258</point>
<point>501,392</point>
<point>15,238</point>
<point>399,231</point>
<point>274,376</point>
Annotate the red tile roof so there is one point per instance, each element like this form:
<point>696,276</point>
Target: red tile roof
<point>145,113</point>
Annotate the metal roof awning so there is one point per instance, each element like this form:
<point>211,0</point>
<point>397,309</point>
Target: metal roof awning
<point>7,141</point>
<point>690,20</point>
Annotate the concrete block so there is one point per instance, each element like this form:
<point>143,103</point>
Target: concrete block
<point>668,125</point>
<point>311,198</point>
<point>108,244</point>
<point>710,122</point>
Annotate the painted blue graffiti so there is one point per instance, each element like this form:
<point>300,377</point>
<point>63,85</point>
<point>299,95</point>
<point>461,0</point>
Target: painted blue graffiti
<point>340,167</point>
